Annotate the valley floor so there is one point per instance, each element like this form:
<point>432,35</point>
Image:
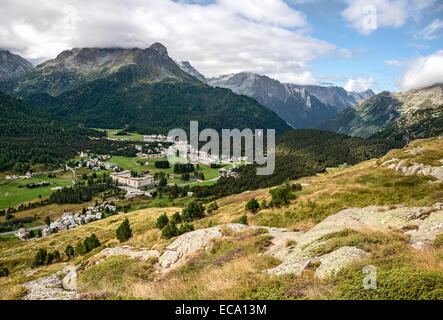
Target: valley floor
<point>385,218</point>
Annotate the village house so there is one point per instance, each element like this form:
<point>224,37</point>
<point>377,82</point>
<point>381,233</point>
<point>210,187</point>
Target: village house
<point>22,233</point>
<point>126,179</point>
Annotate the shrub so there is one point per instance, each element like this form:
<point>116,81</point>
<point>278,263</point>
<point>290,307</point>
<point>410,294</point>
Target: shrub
<point>124,231</point>
<point>212,207</point>
<point>252,206</point>
<point>281,196</point>
<point>80,248</point>
<point>186,227</point>
<point>40,258</point>
<point>91,243</point>
<point>264,204</point>
<point>438,241</point>
<point>69,251</point>
<point>193,211</point>
<point>4,272</point>
<point>176,218</point>
<point>243,220</point>
<point>170,231</point>
<point>162,221</point>
<point>393,284</point>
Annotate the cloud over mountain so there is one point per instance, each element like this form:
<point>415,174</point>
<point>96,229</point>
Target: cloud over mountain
<point>423,71</point>
<point>222,37</point>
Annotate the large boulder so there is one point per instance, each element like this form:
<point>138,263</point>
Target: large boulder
<point>189,243</point>
<point>333,262</point>
<point>424,224</point>
<point>69,281</point>
<point>48,288</point>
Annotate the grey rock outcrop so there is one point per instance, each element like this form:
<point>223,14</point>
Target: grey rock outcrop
<point>414,168</point>
<point>140,255</point>
<point>52,287</point>
<point>12,66</point>
<point>69,281</point>
<point>189,243</point>
<point>333,262</point>
<point>427,223</point>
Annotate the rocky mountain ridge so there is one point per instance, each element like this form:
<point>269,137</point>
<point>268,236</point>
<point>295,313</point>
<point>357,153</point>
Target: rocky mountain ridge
<point>12,66</point>
<point>386,109</point>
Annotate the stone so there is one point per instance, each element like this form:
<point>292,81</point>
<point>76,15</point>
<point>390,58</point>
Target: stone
<point>141,255</point>
<point>335,261</point>
<point>427,223</point>
<point>296,268</point>
<point>177,252</point>
<point>69,282</point>
<point>48,288</point>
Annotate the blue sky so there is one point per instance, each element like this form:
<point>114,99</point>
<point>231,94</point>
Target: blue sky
<point>401,43</point>
<point>358,44</point>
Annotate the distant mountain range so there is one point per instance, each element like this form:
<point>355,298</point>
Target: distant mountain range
<point>147,91</point>
<point>143,90</point>
<point>12,66</point>
<point>299,105</point>
<point>402,115</point>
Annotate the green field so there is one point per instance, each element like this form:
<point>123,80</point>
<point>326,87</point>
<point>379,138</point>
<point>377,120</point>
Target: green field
<point>12,195</point>
<point>133,165</point>
<point>131,136</point>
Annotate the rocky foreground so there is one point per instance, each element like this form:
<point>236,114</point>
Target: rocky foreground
<point>421,224</point>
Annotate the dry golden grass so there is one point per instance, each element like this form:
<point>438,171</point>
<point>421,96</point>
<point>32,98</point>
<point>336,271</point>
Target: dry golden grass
<point>360,185</point>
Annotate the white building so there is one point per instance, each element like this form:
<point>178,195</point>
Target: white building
<point>125,178</point>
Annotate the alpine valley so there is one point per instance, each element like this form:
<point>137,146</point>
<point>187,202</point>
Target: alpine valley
<point>95,206</point>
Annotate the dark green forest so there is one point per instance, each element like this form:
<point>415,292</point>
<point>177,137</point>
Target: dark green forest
<point>302,153</point>
<point>153,108</point>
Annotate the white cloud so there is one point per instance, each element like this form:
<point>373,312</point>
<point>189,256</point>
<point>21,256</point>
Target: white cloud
<point>423,71</point>
<point>359,84</point>
<point>393,62</point>
<point>428,32</point>
<point>266,11</point>
<point>217,38</point>
<point>368,15</point>
<point>350,54</point>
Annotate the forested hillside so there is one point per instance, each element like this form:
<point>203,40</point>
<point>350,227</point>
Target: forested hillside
<point>158,107</point>
<point>29,136</point>
<point>302,153</point>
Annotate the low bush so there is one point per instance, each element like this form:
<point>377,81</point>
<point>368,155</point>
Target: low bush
<point>401,283</point>
<point>124,231</point>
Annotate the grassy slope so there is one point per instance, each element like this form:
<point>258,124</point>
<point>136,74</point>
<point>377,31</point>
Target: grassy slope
<point>239,275</point>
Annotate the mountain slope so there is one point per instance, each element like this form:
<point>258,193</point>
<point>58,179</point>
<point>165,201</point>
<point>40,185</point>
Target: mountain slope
<point>76,67</point>
<point>12,66</point>
<point>31,135</point>
<point>187,67</point>
<point>297,106</point>
<point>337,96</point>
<point>385,109</point>
<point>143,89</point>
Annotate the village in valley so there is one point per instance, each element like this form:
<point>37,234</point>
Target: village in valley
<point>139,181</point>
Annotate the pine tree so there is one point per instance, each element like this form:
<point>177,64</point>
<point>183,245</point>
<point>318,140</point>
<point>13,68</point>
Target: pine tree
<point>124,231</point>
<point>69,251</point>
<point>162,221</point>
<point>253,205</point>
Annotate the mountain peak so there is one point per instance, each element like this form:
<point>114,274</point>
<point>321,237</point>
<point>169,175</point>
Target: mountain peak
<point>161,49</point>
<point>12,66</point>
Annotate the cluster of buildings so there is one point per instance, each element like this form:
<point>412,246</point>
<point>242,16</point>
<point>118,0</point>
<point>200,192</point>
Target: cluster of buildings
<point>200,157</point>
<point>71,220</point>
<point>125,178</point>
<point>96,164</point>
<point>228,173</point>
<point>157,138</point>
<point>28,175</point>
